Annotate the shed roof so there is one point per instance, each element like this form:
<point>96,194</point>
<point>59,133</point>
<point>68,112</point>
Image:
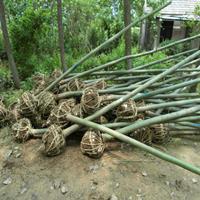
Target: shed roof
<point>181,9</point>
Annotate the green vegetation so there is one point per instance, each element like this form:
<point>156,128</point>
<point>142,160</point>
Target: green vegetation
<point>33,33</point>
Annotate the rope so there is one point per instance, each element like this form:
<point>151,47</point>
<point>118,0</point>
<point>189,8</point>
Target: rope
<point>21,130</point>
<point>127,111</point>
<point>160,134</point>
<point>92,144</point>
<point>59,113</point>
<point>4,114</point>
<point>27,105</point>
<point>143,135</point>
<point>53,140</point>
<point>90,100</point>
<point>46,102</point>
<point>75,85</point>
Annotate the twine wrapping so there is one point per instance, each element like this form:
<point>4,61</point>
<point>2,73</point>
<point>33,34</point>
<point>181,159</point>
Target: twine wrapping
<point>160,134</point>
<point>53,140</point>
<point>75,85</point>
<point>92,144</point>
<point>77,111</point>
<point>100,85</point>
<point>27,105</point>
<point>46,102</point>
<point>143,135</point>
<point>58,115</point>
<point>71,102</point>
<point>127,111</point>
<point>39,82</point>
<point>4,114</point>
<point>90,100</point>
<point>21,130</point>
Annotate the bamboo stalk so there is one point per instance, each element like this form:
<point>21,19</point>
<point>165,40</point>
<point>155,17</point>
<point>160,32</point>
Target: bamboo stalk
<point>119,101</point>
<point>131,87</point>
<point>104,45</point>
<point>90,71</point>
<point>136,143</point>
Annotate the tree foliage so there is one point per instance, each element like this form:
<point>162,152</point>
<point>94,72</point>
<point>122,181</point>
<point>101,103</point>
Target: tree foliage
<point>33,29</point>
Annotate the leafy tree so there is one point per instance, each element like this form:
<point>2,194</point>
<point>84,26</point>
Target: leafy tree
<point>8,46</point>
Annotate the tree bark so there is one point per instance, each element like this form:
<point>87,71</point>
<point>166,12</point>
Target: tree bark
<point>11,61</point>
<point>127,35</point>
<point>61,35</point>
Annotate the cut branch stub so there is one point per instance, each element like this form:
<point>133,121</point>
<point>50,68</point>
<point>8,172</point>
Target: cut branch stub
<point>160,134</point>
<point>90,100</point>
<point>46,102</point>
<point>59,113</point>
<point>92,144</point>
<point>27,105</point>
<point>127,111</point>
<point>21,130</point>
<point>53,141</point>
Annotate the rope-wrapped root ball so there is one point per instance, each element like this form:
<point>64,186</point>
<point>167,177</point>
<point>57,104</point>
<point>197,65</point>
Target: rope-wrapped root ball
<point>39,82</point>
<point>58,115</point>
<point>53,140</point>
<point>21,130</point>
<point>15,112</point>
<point>71,102</point>
<point>160,134</point>
<point>127,111</point>
<point>77,110</point>
<point>75,85</point>
<point>46,102</point>
<point>4,114</point>
<point>27,105</point>
<point>90,100</point>
<point>92,144</point>
<point>143,135</point>
<point>101,120</point>
<point>100,85</point>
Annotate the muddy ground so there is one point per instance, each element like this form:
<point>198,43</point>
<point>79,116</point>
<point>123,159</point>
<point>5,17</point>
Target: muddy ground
<point>123,173</point>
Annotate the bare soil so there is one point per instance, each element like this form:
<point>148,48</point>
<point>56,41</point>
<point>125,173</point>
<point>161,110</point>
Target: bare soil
<point>123,173</point>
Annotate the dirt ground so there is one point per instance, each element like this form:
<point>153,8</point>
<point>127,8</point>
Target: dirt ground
<point>123,173</point>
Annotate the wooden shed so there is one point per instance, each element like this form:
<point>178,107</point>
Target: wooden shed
<point>171,22</point>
